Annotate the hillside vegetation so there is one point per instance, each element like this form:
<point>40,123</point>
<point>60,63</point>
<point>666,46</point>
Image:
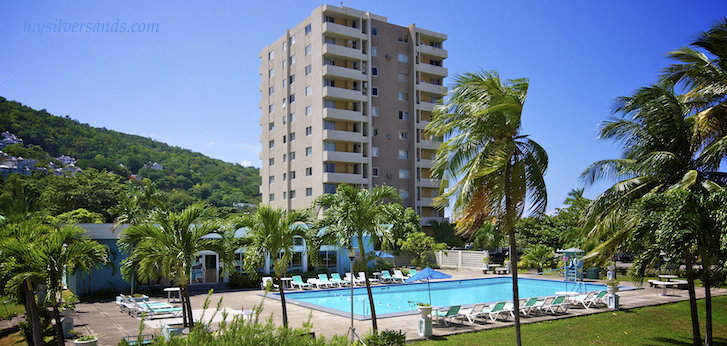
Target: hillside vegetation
<point>186,176</point>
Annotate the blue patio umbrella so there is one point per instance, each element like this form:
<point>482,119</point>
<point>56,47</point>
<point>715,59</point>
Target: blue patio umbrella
<point>428,274</point>
<point>382,254</point>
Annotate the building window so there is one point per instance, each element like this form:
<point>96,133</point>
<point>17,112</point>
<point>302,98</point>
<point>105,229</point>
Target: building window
<point>271,90</point>
<point>271,126</point>
<point>291,117</point>
<point>292,194</point>
<point>285,120</point>
<point>271,144</point>
<point>285,101</point>
<point>375,151</point>
<point>292,79</point>
<point>308,151</point>
<point>271,161</point>
<point>271,73</point>
<point>404,154</point>
<point>309,130</point>
<point>374,51</point>
<point>292,60</point>
<point>375,171</point>
<point>329,167</point>
<point>329,146</point>
<point>271,55</point>
<point>308,29</point>
<point>285,64</point>
<point>404,38</point>
<point>374,91</point>
<point>292,156</point>
<point>403,174</point>
<point>285,46</point>
<point>308,110</point>
<point>308,191</point>
<point>285,176</point>
<point>403,77</point>
<point>284,195</point>
<point>329,103</point>
<point>308,171</point>
<point>308,90</point>
<point>285,156</point>
<point>308,49</point>
<point>403,134</point>
<point>403,57</point>
<point>329,188</point>
<point>403,193</point>
<point>271,108</point>
<point>291,40</point>
<point>403,96</point>
<point>272,197</point>
<point>403,115</point>
<point>374,71</point>
<point>285,82</point>
<point>291,98</point>
<point>292,175</point>
<point>329,125</point>
<point>284,139</point>
<point>374,31</point>
<point>271,179</point>
<point>375,111</point>
<point>308,70</point>
<point>292,136</point>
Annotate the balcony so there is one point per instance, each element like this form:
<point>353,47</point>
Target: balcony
<point>431,69</point>
<point>342,114</point>
<point>426,106</point>
<point>342,30</point>
<point>429,50</point>
<point>422,124</point>
<point>432,88</point>
<point>344,178</point>
<point>344,136</point>
<point>424,163</point>
<point>341,93</point>
<point>342,156</point>
<point>426,182</point>
<point>342,72</point>
<point>350,53</point>
<point>425,201</point>
<point>426,219</point>
<point>425,144</point>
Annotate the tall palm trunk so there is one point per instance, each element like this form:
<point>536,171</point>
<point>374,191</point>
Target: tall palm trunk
<point>707,283</point>
<point>368,287</point>
<point>282,294</point>
<point>696,335</point>
<point>59,325</point>
<point>34,313</point>
<point>510,224</point>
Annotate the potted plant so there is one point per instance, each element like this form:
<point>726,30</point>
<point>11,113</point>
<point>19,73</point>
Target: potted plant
<point>612,285</point>
<point>86,340</point>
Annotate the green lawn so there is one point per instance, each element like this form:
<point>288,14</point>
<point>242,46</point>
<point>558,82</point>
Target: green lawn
<point>668,324</point>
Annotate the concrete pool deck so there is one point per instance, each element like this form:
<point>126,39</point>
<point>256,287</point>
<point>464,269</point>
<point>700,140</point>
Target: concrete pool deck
<point>104,319</point>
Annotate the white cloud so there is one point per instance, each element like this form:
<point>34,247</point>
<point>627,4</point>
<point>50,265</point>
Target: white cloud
<point>245,163</point>
<point>211,143</point>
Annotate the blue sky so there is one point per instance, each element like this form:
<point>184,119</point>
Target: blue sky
<point>194,82</point>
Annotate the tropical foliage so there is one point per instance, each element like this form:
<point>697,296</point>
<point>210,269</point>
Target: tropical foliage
<point>495,167</point>
<point>422,246</point>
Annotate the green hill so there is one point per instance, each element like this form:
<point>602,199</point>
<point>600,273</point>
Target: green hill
<point>187,176</point>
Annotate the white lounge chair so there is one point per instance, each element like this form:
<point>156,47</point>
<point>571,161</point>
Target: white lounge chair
<point>474,312</point>
<point>399,275</point>
<point>496,311</point>
<point>560,303</point>
<point>264,283</point>
<point>362,276</point>
<point>592,298</point>
<point>355,280</point>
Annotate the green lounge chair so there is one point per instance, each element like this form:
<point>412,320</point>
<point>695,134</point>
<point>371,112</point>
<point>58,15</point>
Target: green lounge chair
<point>336,278</point>
<point>592,298</point>
<point>475,312</point>
<point>496,311</point>
<point>528,306</point>
<point>451,313</point>
<point>412,272</point>
<point>558,304</point>
<point>323,280</point>
<point>154,310</point>
<point>387,278</point>
<point>298,281</point>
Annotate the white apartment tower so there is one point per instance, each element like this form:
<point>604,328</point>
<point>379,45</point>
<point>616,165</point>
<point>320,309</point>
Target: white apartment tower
<point>346,97</point>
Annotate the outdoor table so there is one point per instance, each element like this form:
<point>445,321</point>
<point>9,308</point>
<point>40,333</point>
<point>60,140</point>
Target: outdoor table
<point>287,283</point>
<point>247,313</point>
<point>668,277</point>
<point>377,276</point>
<point>664,285</point>
<point>169,291</point>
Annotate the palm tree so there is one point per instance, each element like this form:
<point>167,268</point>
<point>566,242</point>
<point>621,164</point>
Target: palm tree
<point>659,153</point>
<point>701,69</point>
<point>271,232</point>
<point>22,264</point>
<point>496,167</point>
<point>359,213</point>
<point>168,243</point>
<point>65,251</point>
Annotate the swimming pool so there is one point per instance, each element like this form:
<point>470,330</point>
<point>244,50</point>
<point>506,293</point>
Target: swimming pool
<point>393,300</point>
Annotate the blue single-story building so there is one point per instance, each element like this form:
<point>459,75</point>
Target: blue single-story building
<point>207,269</point>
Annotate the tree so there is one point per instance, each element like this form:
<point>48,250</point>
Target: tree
<point>168,243</point>
<point>405,222</point>
<point>352,213</point>
<point>92,190</point>
<point>659,153</point>
<point>271,232</point>
<point>422,246</point>
<point>497,168</point>
<point>539,256</point>
<point>444,233</point>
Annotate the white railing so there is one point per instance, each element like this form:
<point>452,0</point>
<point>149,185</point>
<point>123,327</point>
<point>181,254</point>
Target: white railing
<point>460,259</point>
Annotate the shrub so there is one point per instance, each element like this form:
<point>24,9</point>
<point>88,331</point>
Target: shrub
<point>240,280</point>
<point>386,338</point>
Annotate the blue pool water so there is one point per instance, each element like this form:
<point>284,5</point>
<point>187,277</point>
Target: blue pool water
<point>393,300</point>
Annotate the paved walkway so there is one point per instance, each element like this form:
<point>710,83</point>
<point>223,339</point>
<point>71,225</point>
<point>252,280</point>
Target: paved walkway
<point>104,319</point>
